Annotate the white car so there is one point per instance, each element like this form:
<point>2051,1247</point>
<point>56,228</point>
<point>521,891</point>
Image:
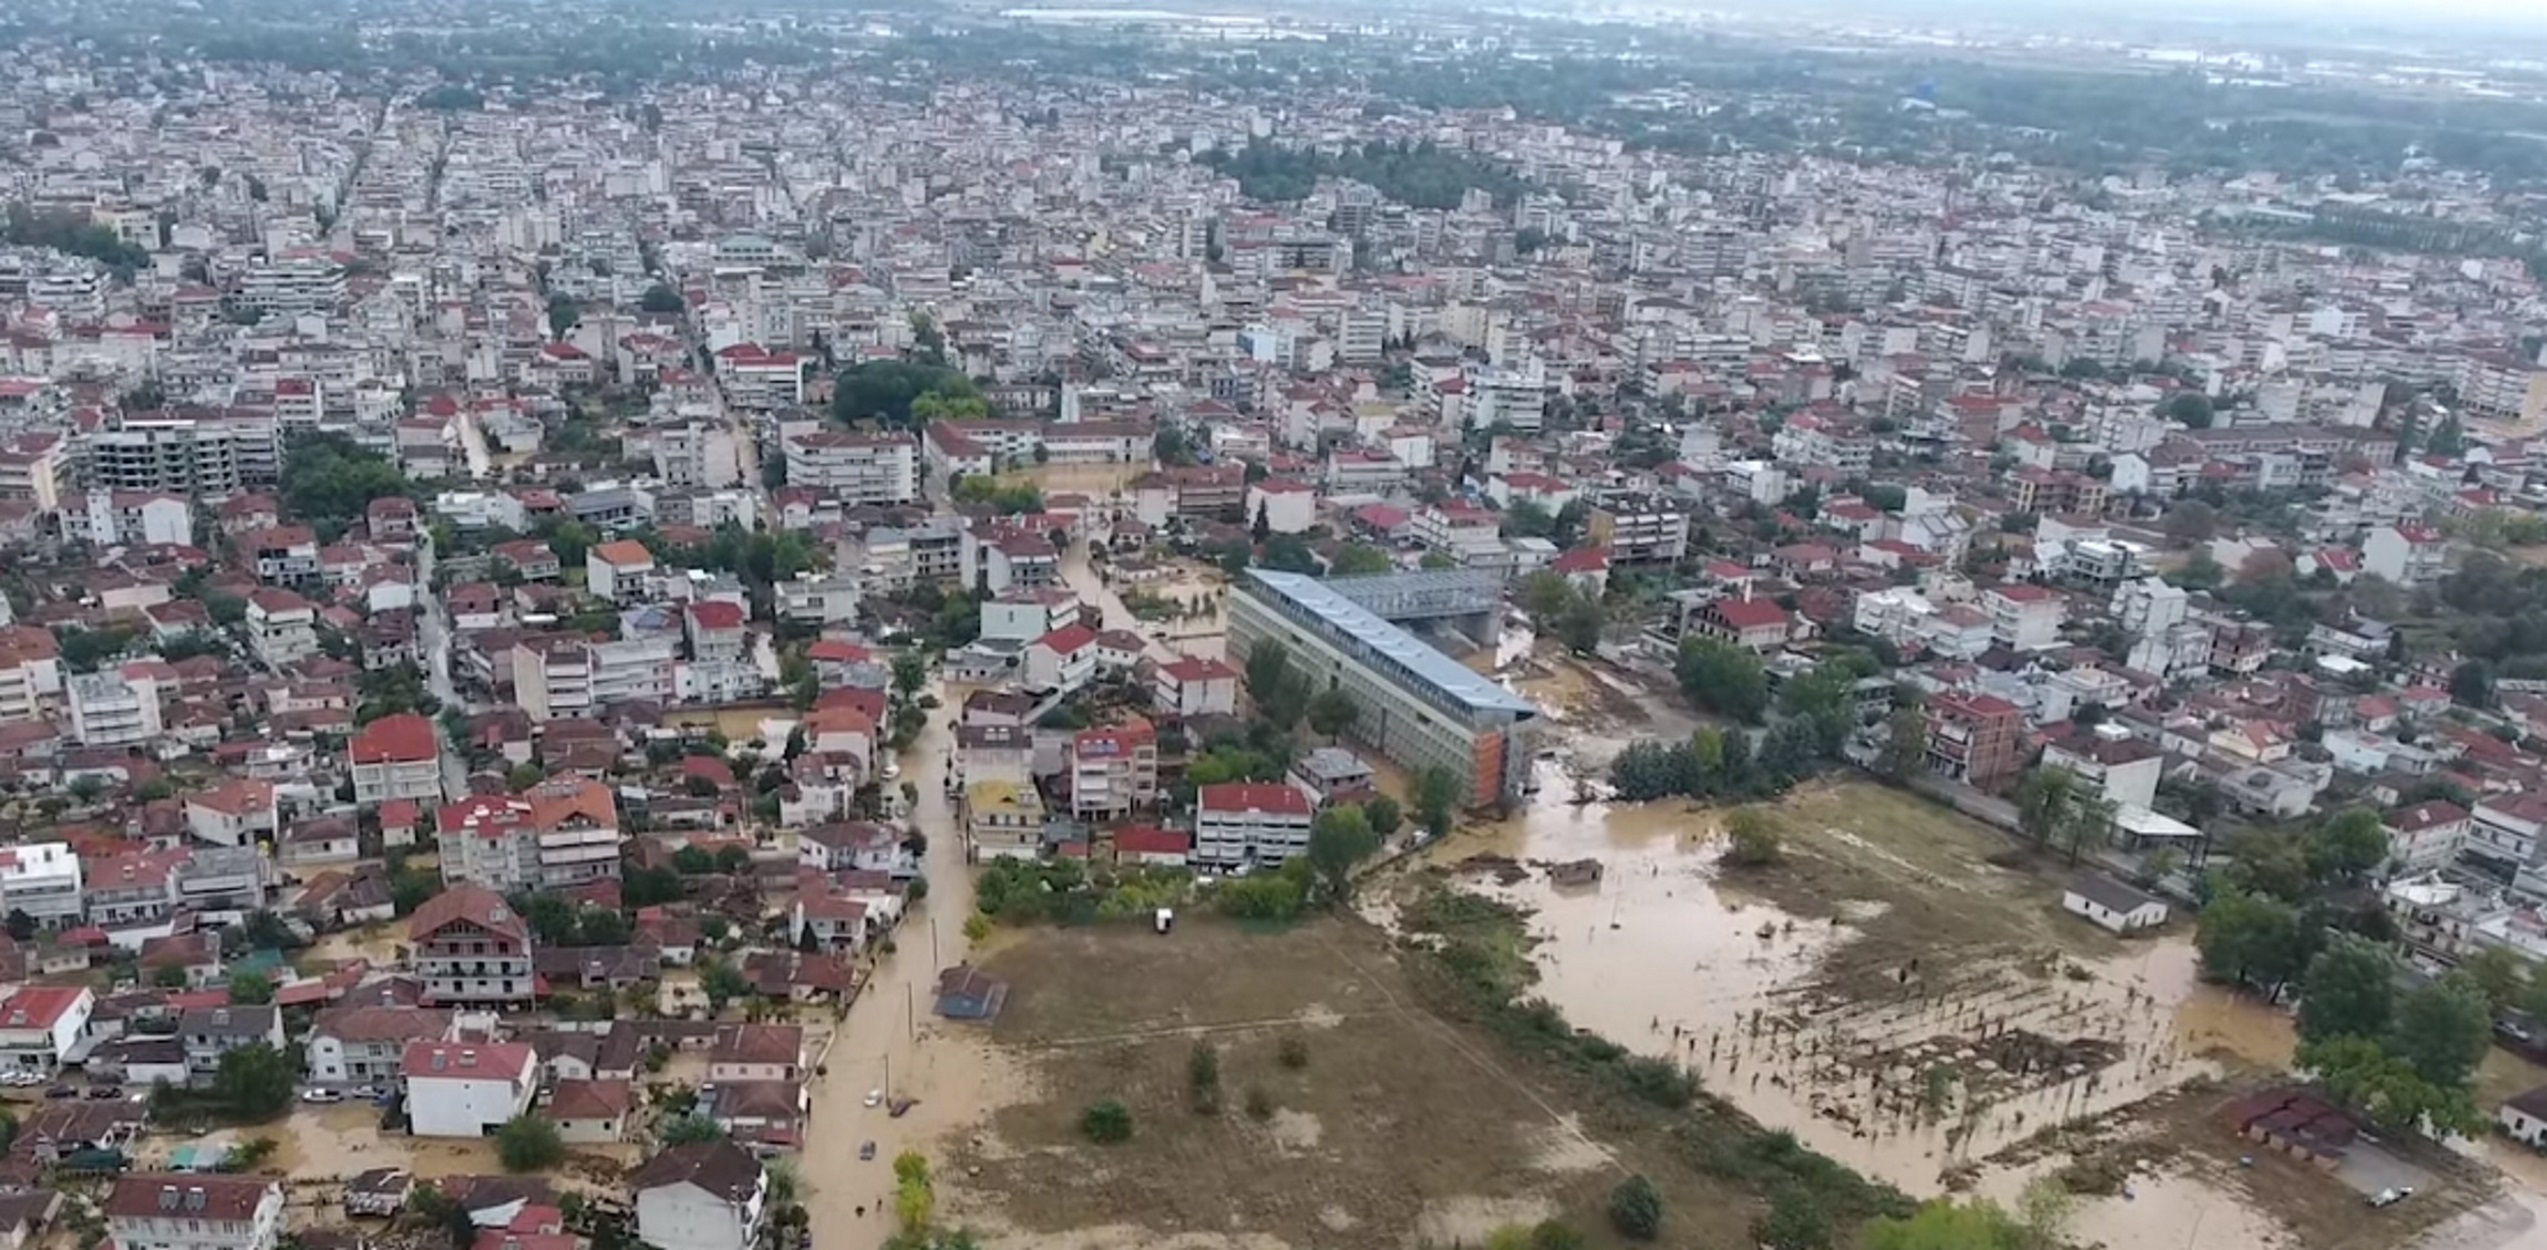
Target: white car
<point>875,1098</point>
<point>321,1095</point>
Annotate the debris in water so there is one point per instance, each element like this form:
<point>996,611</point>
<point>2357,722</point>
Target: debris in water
<point>1575,872</point>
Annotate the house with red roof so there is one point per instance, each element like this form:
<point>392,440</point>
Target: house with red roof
<point>466,1089</point>
<point>1063,660</point>
<point>1194,686</point>
<point>715,628</point>
<point>396,757</point>
<point>471,949</point>
<point>1149,844</point>
<point>40,1023</point>
<point>2336,562</point>
<point>1753,624</point>
<point>1113,770</point>
<point>1249,824</point>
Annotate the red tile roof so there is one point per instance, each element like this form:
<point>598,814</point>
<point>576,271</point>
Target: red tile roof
<point>402,738</point>
<point>1253,796</point>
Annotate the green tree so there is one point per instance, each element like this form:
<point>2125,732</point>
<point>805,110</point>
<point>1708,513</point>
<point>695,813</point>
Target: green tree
<point>2502,976</point>
<point>1107,1122</point>
<point>1793,1222</point>
<point>2350,991</point>
<point>2348,846</point>
<point>1435,794</point>
<point>1636,1209</point>
<point>562,315</point>
<point>2044,796</point>
<point>1724,679</point>
<point>2191,409</point>
<point>722,983</point>
<point>1382,811</point>
<point>1332,711</point>
<point>2253,939</point>
<point>528,1143</point>
<point>1339,840</point>
<point>1944,1224</point>
<point>1753,838</point>
<point>661,298</point>
<point>1905,750</point>
<point>1358,559</point>
<point>689,1130</point>
<point>250,988</point>
<point>254,1081</point>
<point>2441,1031</point>
<point>1580,625</point>
<point>2384,1088</point>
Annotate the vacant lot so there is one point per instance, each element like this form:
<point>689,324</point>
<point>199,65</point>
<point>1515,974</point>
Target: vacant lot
<point>1398,1130</point>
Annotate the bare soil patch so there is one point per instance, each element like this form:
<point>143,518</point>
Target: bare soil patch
<point>1400,1127</point>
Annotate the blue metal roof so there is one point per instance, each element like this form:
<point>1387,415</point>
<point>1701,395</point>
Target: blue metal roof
<point>1359,625</point>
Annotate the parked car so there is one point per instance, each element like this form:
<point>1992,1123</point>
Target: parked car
<point>866,1151</point>
<point>2391,1197</point>
<point>321,1095</point>
<point>63,1091</point>
<point>875,1098</point>
<point>104,1092</point>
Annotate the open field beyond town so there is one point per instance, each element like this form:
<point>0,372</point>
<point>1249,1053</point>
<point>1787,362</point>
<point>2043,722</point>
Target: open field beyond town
<point>1400,1129</point>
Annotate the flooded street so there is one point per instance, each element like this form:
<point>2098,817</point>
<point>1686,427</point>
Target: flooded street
<point>892,1042</point>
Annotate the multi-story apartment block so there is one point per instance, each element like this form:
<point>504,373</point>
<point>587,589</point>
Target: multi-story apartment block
<point>1974,738</point>
<point>282,627</point>
<point>471,949</point>
<point>293,283</point>
<point>1244,824</point>
<point>109,709</point>
<point>204,456</point>
<point>562,832</point>
<point>854,468</point>
<point>556,677</point>
<point>698,453</point>
<point>1114,771</point>
<point>1638,529</point>
<point>396,757</point>
<point>42,880</point>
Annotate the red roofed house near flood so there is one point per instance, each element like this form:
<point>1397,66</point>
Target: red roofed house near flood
<point>472,950</point>
<point>1241,824</point>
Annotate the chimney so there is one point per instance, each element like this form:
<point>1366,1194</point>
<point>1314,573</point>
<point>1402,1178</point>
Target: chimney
<point>169,1198</point>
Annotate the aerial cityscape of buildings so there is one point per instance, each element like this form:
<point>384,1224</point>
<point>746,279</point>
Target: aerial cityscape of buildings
<point>543,549</point>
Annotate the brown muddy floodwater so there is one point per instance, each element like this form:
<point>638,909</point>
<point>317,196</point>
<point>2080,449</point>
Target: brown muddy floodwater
<point>1662,956</point>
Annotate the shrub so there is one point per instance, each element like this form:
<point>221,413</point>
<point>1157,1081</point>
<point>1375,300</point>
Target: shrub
<point>1260,1105</point>
<point>1551,1235</point>
<point>528,1143</point>
<point>1203,1072</point>
<point>1294,1052</point>
<point>1636,1209</point>
<point>1107,1123</point>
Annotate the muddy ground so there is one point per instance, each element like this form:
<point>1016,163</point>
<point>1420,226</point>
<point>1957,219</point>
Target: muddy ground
<point>1401,1129</point>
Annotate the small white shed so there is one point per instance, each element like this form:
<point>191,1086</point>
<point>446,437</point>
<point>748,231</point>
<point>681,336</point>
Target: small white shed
<point>2113,905</point>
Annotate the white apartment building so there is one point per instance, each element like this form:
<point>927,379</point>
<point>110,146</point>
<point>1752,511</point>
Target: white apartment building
<point>43,880</point>
<point>562,832</point>
<point>396,757</point>
<point>118,517</point>
<point>194,1211</point>
<point>856,468</point>
<point>554,678</point>
<point>820,598</point>
<point>282,627</point>
<point>204,457</point>
<point>293,284</point>
<point>699,454</point>
<point>109,711</point>
<point>1249,824</point>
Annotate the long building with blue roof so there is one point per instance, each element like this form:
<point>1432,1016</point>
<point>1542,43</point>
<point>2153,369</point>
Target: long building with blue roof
<point>1418,706</point>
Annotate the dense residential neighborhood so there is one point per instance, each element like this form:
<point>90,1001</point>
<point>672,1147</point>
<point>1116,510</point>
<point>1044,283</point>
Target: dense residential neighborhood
<point>561,622</point>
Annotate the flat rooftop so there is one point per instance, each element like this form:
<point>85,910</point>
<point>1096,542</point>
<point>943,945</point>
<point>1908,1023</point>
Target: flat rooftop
<point>1358,625</point>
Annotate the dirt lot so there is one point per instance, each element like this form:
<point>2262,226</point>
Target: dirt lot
<point>1400,1129</point>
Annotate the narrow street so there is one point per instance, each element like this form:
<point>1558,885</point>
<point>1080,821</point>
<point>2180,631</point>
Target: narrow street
<point>433,632</point>
<point>886,1041</point>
